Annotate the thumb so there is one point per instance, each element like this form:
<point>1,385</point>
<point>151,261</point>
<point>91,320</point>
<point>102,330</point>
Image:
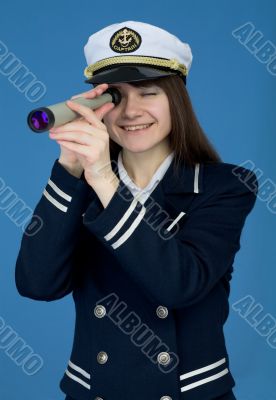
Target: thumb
<point>103,110</point>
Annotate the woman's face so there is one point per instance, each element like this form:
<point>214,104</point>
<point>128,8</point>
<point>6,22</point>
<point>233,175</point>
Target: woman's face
<point>141,120</point>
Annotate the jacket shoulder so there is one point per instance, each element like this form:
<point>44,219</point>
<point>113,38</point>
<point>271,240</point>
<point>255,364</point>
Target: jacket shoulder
<point>222,176</point>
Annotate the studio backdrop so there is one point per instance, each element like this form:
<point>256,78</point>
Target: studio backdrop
<point>232,84</point>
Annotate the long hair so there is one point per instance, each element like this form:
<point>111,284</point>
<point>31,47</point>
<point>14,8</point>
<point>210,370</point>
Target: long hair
<point>187,139</point>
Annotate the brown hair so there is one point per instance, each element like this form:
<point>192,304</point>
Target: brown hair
<point>187,138</point>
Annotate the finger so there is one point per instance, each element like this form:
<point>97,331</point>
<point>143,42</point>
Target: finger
<point>93,92</point>
<point>78,148</point>
<point>86,112</point>
<point>76,125</point>
<point>81,127</point>
<point>99,89</point>
<point>103,110</point>
<point>76,137</point>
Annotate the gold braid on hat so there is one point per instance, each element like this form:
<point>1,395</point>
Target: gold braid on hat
<point>173,64</point>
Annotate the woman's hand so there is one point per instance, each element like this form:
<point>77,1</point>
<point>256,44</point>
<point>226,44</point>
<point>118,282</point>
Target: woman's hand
<point>85,141</point>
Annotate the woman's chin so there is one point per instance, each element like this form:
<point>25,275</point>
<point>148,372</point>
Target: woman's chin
<point>135,148</point>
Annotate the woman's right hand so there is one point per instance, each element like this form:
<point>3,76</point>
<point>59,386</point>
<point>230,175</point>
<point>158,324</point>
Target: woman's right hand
<point>68,158</point>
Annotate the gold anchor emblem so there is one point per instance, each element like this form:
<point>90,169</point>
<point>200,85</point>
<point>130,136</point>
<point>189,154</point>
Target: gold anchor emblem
<point>125,40</point>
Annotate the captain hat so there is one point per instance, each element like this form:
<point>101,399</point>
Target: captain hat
<point>134,51</point>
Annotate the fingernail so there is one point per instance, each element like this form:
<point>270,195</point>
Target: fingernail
<point>75,97</point>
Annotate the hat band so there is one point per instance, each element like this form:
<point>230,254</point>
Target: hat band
<point>142,60</point>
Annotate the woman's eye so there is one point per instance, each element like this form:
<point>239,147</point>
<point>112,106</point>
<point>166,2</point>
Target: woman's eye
<point>148,94</point>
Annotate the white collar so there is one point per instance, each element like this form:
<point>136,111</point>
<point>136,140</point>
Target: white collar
<point>158,175</point>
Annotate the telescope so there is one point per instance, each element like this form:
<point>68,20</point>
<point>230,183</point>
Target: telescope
<point>44,118</point>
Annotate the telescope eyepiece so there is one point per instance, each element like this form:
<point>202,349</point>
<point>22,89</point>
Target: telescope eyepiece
<point>115,94</point>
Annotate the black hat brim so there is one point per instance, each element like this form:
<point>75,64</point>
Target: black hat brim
<point>128,74</point>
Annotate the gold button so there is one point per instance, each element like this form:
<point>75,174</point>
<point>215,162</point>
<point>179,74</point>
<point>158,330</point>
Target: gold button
<point>102,357</point>
<point>162,312</point>
<point>99,311</point>
<point>163,358</point>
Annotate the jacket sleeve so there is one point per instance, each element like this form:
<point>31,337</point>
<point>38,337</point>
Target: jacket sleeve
<point>52,242</point>
<point>182,269</point>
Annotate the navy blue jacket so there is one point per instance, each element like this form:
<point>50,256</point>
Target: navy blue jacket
<point>150,281</point>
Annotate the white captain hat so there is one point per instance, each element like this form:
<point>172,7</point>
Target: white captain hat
<point>134,51</point>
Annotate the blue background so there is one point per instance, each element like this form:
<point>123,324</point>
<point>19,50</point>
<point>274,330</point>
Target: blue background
<point>234,98</point>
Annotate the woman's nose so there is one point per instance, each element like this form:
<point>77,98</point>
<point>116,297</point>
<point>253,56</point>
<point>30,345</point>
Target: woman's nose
<point>131,107</point>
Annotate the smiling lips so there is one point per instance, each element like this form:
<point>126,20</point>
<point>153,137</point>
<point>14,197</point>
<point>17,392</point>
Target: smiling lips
<point>131,128</point>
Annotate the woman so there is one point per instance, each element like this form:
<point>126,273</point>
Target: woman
<point>141,222</point>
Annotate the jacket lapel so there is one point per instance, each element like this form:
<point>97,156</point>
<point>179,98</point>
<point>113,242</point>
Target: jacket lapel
<point>189,179</point>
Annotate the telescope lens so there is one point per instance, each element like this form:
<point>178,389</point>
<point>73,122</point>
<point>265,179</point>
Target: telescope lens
<point>40,120</point>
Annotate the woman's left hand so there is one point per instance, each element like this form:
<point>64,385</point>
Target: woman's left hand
<point>88,137</point>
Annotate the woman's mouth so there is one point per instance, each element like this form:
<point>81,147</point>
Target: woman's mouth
<point>136,129</point>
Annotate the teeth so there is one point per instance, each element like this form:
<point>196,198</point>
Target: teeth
<point>134,128</point>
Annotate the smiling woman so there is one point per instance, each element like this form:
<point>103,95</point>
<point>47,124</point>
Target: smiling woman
<point>142,222</point>
<point>140,124</point>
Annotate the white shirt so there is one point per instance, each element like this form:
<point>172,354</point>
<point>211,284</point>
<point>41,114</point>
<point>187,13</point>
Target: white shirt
<point>156,178</point>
